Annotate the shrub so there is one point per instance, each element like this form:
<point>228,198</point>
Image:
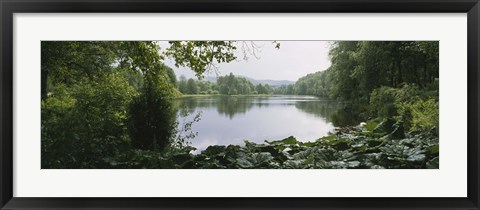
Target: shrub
<point>152,119</point>
<point>56,123</point>
<point>382,102</point>
<point>418,109</point>
<point>385,101</point>
<point>85,121</point>
<point>421,115</point>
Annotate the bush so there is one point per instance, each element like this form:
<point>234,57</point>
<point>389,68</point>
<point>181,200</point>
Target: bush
<point>421,115</point>
<point>382,102</point>
<point>56,123</point>
<point>418,109</point>
<point>152,119</point>
<point>85,121</point>
<point>385,101</point>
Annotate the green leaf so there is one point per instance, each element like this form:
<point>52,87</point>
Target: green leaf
<point>416,157</point>
<point>433,163</point>
<point>341,144</point>
<point>244,163</point>
<point>371,125</point>
<point>289,141</point>
<point>214,150</point>
<point>433,150</point>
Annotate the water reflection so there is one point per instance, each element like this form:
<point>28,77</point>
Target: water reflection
<point>334,111</point>
<point>231,120</point>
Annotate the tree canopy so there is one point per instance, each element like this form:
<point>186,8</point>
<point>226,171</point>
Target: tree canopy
<point>359,67</point>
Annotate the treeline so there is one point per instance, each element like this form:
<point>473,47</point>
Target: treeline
<point>359,67</point>
<point>193,87</point>
<point>396,79</point>
<point>225,85</point>
<point>314,84</point>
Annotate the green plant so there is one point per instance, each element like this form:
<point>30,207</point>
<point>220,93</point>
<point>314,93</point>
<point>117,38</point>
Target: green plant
<point>86,121</point>
<point>421,115</point>
<point>382,102</point>
<point>152,118</point>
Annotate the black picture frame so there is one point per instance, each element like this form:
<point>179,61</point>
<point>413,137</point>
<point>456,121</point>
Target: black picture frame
<point>9,7</point>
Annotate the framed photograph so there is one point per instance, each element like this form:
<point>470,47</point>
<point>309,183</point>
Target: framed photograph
<point>239,105</point>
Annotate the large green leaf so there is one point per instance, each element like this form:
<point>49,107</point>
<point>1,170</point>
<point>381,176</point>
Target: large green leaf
<point>433,164</point>
<point>214,150</point>
<point>290,140</point>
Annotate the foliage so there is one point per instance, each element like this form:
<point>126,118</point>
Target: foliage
<point>359,148</point>
<point>67,62</point>
<point>225,85</point>
<point>358,68</point>
<point>421,115</point>
<point>186,132</point>
<point>382,102</point>
<point>201,56</point>
<point>284,90</point>
<point>152,118</point>
<point>344,84</point>
<point>85,121</point>
<point>263,89</point>
<point>417,109</point>
<point>192,87</point>
<point>232,85</point>
<point>315,84</point>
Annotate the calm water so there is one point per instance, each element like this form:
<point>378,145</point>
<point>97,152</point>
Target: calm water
<point>228,120</point>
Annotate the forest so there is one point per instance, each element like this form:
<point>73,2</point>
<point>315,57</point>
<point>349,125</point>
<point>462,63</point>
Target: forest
<point>111,104</point>
<point>225,85</point>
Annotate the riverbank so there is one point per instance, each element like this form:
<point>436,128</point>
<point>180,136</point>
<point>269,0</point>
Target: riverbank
<point>213,95</point>
<point>371,145</point>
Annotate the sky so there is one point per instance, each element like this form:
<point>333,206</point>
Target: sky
<point>293,60</point>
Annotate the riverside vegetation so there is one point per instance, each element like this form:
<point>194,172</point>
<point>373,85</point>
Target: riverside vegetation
<point>111,105</point>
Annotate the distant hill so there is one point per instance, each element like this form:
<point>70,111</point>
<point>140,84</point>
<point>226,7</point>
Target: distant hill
<point>275,83</point>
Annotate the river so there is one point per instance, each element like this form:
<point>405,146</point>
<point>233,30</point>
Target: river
<point>228,120</point>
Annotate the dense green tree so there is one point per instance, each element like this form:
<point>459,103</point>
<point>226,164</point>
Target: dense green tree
<point>65,62</point>
<point>234,85</point>
<point>182,84</point>
<point>192,87</point>
<point>84,122</point>
<point>171,75</point>
<point>263,89</point>
<point>315,84</point>
<point>152,119</point>
<point>284,90</point>
<point>341,73</point>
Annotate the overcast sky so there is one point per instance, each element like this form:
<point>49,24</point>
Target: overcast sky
<point>293,60</point>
